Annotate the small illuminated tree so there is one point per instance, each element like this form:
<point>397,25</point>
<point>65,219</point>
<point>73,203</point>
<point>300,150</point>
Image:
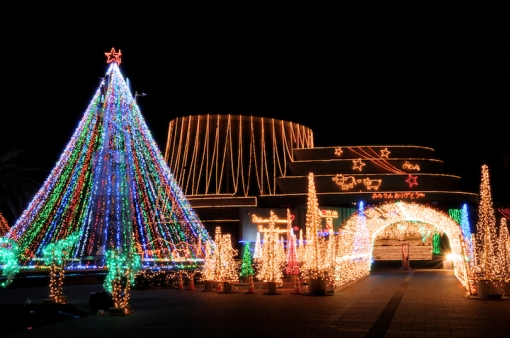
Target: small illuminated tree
<point>208,272</point>
<point>257,253</point>
<point>315,262</point>
<point>272,261</point>
<point>504,250</point>
<point>292,267</point>
<point>301,247</point>
<point>220,265</point>
<point>247,269</point>
<point>486,232</point>
<point>122,269</point>
<point>9,259</point>
<point>229,270</point>
<point>56,255</point>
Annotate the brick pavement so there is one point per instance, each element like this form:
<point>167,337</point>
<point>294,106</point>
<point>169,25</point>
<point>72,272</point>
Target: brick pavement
<point>388,303</point>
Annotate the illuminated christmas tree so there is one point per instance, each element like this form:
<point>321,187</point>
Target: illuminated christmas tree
<point>112,185</point>
<point>504,250</point>
<point>55,256</point>
<point>362,246</point>
<point>301,250</point>
<point>247,269</point>
<point>272,261</point>
<point>315,263</point>
<point>486,232</point>
<point>292,267</point>
<point>257,254</point>
<point>122,269</point>
<point>220,265</point>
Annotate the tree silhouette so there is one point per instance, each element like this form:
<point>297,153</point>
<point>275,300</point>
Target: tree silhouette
<point>17,182</point>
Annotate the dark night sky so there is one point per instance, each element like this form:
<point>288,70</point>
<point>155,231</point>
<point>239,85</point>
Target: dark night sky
<point>379,85</point>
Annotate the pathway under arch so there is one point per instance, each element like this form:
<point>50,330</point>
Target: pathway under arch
<point>361,229</point>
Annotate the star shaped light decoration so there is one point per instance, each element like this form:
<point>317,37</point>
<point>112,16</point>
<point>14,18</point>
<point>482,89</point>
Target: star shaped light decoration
<point>412,180</point>
<point>338,151</point>
<point>385,152</point>
<point>358,164</point>
<point>113,56</point>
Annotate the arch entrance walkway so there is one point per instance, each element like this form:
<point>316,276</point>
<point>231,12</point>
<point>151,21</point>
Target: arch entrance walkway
<point>361,229</point>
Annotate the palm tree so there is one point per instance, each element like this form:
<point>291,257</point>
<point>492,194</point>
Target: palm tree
<point>18,183</point>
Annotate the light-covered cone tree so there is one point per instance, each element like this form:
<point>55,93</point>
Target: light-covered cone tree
<point>487,266</point>
<point>220,265</point>
<point>272,261</point>
<point>257,253</point>
<point>292,267</point>
<point>247,269</point>
<point>315,263</point>
<point>504,250</point>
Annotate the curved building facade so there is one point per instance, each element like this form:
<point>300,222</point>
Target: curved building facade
<point>233,167</point>
<point>232,155</point>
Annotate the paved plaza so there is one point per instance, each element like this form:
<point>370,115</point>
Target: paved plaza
<point>388,303</point>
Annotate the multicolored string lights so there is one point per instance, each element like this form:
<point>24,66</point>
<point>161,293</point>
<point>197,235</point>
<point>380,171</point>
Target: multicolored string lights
<point>112,185</point>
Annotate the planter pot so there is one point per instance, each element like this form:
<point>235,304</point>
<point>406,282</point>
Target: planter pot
<point>209,286</point>
<point>492,288</point>
<point>317,286</point>
<point>272,289</point>
<point>227,287</point>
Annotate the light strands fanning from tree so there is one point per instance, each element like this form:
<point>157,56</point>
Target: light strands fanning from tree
<point>113,185</point>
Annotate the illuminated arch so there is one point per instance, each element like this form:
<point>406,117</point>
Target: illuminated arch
<point>369,221</point>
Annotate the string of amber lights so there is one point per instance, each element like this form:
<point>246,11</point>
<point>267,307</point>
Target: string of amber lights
<point>378,159</point>
<point>273,257</point>
<point>220,265</point>
<point>232,154</point>
<point>315,260</point>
